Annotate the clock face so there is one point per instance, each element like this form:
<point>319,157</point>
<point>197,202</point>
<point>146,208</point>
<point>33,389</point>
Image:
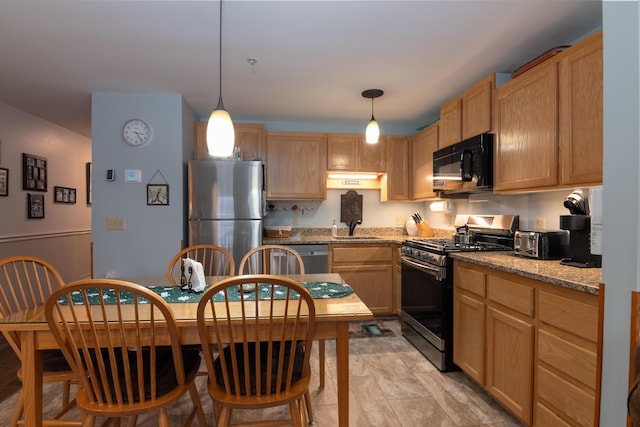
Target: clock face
<point>136,132</point>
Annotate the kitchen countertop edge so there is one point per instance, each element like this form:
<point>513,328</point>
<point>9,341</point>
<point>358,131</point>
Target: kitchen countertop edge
<point>323,240</point>
<point>550,271</point>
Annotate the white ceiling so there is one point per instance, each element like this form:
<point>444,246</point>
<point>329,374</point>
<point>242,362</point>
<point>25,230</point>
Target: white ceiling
<point>314,57</point>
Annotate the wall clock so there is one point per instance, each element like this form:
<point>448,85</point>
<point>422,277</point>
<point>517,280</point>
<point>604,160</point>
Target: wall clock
<point>136,132</point>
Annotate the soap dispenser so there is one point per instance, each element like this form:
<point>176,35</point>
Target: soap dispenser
<point>334,229</point>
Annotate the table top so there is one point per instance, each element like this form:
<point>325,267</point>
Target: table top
<point>346,308</point>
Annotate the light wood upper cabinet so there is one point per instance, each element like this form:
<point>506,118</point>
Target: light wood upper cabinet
<point>581,112</point>
<point>396,185</point>
<point>549,122</point>
<point>526,152</point>
<point>296,165</point>
<point>423,144</point>
<point>470,113</point>
<point>248,136</point>
<point>451,122</point>
<point>350,152</point>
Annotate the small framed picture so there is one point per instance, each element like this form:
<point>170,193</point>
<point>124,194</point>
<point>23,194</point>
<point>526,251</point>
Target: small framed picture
<point>35,205</point>
<point>64,195</point>
<point>4,182</point>
<point>34,173</point>
<point>158,194</point>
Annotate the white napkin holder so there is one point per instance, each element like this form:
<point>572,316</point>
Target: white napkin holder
<point>192,275</point>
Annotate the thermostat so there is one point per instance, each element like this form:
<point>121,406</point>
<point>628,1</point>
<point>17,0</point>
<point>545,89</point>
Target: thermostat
<point>132,175</point>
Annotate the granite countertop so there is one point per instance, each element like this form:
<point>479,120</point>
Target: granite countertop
<point>320,236</point>
<point>550,271</point>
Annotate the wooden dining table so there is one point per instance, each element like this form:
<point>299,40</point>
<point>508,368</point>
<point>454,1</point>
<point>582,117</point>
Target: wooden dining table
<point>332,322</point>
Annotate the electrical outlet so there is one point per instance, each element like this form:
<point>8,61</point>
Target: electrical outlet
<point>400,220</point>
<point>296,219</point>
<point>115,223</point>
<point>541,223</point>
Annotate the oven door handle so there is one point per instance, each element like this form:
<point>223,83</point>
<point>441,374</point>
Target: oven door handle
<point>432,271</point>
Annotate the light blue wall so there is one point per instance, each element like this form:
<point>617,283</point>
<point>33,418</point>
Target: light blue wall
<point>153,233</point>
<point>621,199</point>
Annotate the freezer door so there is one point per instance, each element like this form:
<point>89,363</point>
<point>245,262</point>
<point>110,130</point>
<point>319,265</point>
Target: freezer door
<point>236,236</point>
<point>225,189</point>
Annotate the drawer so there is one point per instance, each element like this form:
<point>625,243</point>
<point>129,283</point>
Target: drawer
<point>575,361</point>
<point>575,403</point>
<point>469,280</point>
<point>545,417</point>
<point>573,316</point>
<point>511,294</point>
<point>364,253</point>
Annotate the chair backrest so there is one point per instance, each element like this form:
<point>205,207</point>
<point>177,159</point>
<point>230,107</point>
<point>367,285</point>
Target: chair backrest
<point>256,334</point>
<point>25,281</point>
<point>109,332</point>
<point>271,259</point>
<point>215,260</point>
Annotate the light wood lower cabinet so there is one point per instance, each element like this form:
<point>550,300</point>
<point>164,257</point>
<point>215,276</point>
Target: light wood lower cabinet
<point>368,269</point>
<point>532,345</point>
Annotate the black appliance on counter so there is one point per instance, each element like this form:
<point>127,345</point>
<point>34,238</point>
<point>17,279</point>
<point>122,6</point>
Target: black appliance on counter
<point>465,167</point>
<point>427,281</point>
<point>578,223</point>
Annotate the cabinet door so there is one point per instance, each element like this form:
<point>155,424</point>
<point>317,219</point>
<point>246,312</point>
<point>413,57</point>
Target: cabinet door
<point>526,153</point>
<point>371,157</point>
<point>424,143</point>
<point>469,335</point>
<point>372,283</point>
<point>510,362</point>
<point>248,136</point>
<point>450,123</point>
<point>581,112</point>
<point>476,108</point>
<point>296,166</point>
<point>342,152</point>
<point>397,186</point>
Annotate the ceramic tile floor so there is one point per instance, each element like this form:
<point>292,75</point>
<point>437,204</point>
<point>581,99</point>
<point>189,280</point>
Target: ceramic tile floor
<point>391,385</point>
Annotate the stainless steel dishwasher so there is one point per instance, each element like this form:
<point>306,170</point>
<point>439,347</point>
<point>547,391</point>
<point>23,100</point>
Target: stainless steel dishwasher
<point>315,257</point>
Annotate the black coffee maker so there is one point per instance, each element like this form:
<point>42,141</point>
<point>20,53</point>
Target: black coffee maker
<point>579,226</point>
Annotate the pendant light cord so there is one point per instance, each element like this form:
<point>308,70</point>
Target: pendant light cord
<point>372,109</point>
<point>220,105</point>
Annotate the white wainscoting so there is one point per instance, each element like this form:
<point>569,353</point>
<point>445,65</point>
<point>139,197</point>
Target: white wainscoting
<point>69,252</point>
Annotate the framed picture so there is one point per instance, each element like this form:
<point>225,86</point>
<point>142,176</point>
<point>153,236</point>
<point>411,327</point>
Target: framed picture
<point>64,195</point>
<point>88,173</point>
<point>4,182</point>
<point>35,205</point>
<point>158,194</point>
<point>34,173</point>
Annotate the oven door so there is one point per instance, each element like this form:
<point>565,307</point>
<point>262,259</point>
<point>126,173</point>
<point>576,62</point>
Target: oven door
<point>427,311</point>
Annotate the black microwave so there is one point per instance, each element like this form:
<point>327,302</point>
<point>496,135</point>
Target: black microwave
<point>465,167</point>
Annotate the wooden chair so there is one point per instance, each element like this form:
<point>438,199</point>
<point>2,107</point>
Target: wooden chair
<point>25,282</point>
<point>259,367</point>
<point>281,260</point>
<point>127,372</point>
<point>216,261</point>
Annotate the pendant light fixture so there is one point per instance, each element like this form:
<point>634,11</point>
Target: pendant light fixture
<point>220,133</point>
<point>373,130</point>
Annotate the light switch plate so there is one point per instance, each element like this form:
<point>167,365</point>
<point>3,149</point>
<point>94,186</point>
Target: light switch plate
<point>132,175</point>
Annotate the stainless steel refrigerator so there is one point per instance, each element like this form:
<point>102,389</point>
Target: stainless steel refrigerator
<point>226,204</point>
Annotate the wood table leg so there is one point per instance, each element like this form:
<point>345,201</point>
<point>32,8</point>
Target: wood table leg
<point>342,355</point>
<point>31,379</point>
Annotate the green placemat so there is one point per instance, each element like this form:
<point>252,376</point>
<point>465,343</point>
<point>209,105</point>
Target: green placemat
<point>174,294</point>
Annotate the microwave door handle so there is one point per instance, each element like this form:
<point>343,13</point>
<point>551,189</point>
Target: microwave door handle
<point>466,165</point>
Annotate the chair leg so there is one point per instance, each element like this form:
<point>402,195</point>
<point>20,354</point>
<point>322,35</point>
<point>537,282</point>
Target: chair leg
<point>307,406</point>
<point>295,409</point>
<point>321,358</point>
<point>225,417</point>
<point>17,411</point>
<point>193,391</point>
<point>163,418</point>
<point>89,421</point>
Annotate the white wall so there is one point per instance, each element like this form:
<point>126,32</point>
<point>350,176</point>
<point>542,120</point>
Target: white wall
<point>66,153</point>
<point>153,233</point>
<point>621,199</point>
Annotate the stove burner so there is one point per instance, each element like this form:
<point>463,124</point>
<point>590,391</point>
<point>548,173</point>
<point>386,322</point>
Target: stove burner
<point>448,245</point>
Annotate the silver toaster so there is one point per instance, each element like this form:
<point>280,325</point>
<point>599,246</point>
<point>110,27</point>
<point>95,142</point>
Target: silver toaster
<point>539,244</point>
